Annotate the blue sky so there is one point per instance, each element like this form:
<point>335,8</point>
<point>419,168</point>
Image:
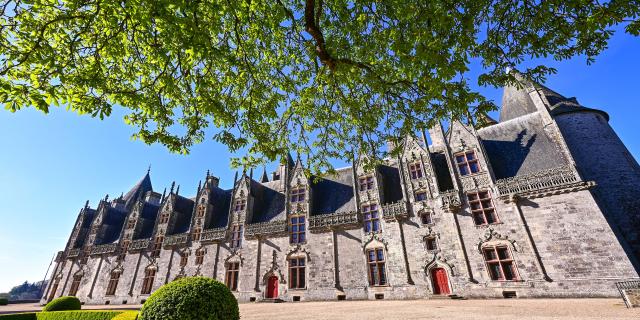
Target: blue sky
<point>51,164</point>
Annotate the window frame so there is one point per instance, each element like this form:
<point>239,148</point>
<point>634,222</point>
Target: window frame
<point>298,195</point>
<point>75,285</point>
<point>232,274</point>
<point>184,259</point>
<point>430,219</point>
<point>200,211</point>
<point>164,217</point>
<point>482,211</point>
<point>239,205</point>
<point>157,246</point>
<point>300,273</point>
<point>197,233</point>
<point>467,163</point>
<point>236,236</point>
<point>415,171</point>
<point>500,262</point>
<point>200,256</point>
<point>369,222</point>
<point>299,235</point>
<point>148,280</point>
<point>379,265</point>
<point>366,183</point>
<point>434,243</point>
<point>112,286</point>
<point>422,192</point>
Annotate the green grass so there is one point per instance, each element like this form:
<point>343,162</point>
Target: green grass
<point>73,315</point>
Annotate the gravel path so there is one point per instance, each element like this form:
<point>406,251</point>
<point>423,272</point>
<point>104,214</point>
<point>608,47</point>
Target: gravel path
<point>537,309</point>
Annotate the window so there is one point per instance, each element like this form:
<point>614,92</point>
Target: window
<point>297,273</point>
<point>75,285</point>
<point>199,256</point>
<point>236,236</point>
<point>297,195</point>
<point>297,231</point>
<point>113,283</point>
<point>231,277</point>
<point>123,249</point>
<point>239,205</point>
<point>467,163</point>
<point>482,208</point>
<point>164,218</point>
<point>196,234</point>
<point>52,294</point>
<point>430,243</point>
<point>200,211</point>
<point>85,256</point>
<point>421,196</point>
<point>184,258</point>
<point>157,246</point>
<point>415,170</point>
<point>147,282</point>
<point>371,218</point>
<point>499,263</point>
<point>377,275</point>
<point>131,223</point>
<point>426,218</point>
<point>366,183</point>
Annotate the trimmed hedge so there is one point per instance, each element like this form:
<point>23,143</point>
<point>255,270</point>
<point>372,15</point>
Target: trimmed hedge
<point>65,315</point>
<point>4,301</point>
<point>191,298</point>
<point>63,304</point>
<point>127,315</point>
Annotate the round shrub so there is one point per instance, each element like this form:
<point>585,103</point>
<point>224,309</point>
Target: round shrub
<point>4,301</point>
<point>63,304</point>
<point>191,298</point>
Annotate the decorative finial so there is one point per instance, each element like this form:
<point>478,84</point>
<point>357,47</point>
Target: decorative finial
<point>149,169</point>
<point>106,198</point>
<point>178,190</point>
<point>207,173</point>
<point>251,173</point>
<point>173,185</point>
<point>86,204</point>
<point>199,186</point>
<point>163,194</point>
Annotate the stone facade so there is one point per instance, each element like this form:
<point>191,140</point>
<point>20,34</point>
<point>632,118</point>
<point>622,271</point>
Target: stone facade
<point>541,204</point>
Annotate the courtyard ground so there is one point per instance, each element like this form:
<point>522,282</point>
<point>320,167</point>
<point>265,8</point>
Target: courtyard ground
<point>537,309</point>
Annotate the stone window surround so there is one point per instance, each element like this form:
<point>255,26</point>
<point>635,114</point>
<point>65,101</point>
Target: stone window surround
<point>467,162</point>
<point>366,182</point>
<point>239,205</point>
<point>298,194</point>
<point>300,270</point>
<point>415,171</point>
<point>483,211</point>
<point>509,259</point>
<point>236,236</point>
<point>298,232</point>
<point>380,265</point>
<point>232,275</point>
<point>370,223</point>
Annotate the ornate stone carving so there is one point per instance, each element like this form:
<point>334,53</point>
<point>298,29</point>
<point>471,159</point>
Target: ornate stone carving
<point>59,256</point>
<point>73,253</point>
<point>475,182</point>
<point>217,234</point>
<point>394,211</point>
<point>176,240</point>
<point>140,244</point>
<point>438,260</point>
<point>298,249</point>
<point>371,237</point>
<point>264,229</point>
<point>235,255</point>
<point>450,200</point>
<point>324,222</point>
<point>273,270</point>
<point>491,235</point>
<point>104,248</point>
<point>557,178</point>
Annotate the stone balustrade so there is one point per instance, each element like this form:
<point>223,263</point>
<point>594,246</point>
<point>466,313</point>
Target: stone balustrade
<point>543,179</point>
<point>394,211</point>
<point>176,239</point>
<point>104,248</point>
<point>265,229</point>
<point>140,244</point>
<point>217,234</point>
<point>324,222</point>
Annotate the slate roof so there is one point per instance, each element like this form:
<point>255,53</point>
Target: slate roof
<point>220,199</point>
<point>392,189</point>
<point>520,146</point>
<point>112,225</point>
<point>333,193</point>
<point>138,190</point>
<point>183,211</point>
<point>269,204</point>
<point>147,221</point>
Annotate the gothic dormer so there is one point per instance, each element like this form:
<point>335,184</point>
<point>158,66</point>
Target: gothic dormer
<point>417,169</point>
<point>469,161</point>
<point>299,192</point>
<point>242,201</point>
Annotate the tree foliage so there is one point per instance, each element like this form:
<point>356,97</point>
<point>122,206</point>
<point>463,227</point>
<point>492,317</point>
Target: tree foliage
<point>324,78</point>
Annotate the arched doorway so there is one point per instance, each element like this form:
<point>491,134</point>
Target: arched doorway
<point>440,281</point>
<point>272,287</point>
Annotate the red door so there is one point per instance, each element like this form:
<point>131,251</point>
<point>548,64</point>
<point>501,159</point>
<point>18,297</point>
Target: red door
<point>440,281</point>
<point>272,287</point>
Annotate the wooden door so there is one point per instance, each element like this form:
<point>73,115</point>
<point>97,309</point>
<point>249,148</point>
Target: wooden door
<point>272,287</point>
<point>440,281</point>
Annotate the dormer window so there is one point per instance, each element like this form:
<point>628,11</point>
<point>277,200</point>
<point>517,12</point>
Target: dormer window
<point>239,205</point>
<point>467,163</point>
<point>415,170</point>
<point>421,196</point>
<point>236,236</point>
<point>164,218</point>
<point>196,234</point>
<point>430,243</point>
<point>199,256</point>
<point>371,218</point>
<point>298,195</point>
<point>131,223</point>
<point>184,258</point>
<point>200,211</point>
<point>366,183</point>
<point>426,218</point>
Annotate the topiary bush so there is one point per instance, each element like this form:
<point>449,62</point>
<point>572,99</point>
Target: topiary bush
<point>127,315</point>
<point>4,301</point>
<point>191,298</point>
<point>63,304</point>
<point>18,316</point>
